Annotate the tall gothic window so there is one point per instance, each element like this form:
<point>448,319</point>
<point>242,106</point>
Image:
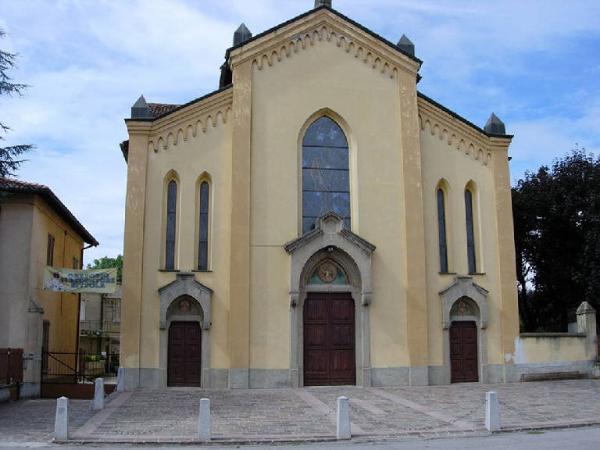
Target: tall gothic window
<point>171,225</point>
<point>470,232</point>
<point>443,244</point>
<point>203,225</point>
<point>325,173</point>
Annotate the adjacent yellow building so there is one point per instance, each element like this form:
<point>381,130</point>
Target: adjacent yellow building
<point>36,230</point>
<point>317,221</point>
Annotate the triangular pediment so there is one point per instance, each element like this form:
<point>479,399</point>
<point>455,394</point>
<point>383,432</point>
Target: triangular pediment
<point>324,23</point>
<point>330,228</point>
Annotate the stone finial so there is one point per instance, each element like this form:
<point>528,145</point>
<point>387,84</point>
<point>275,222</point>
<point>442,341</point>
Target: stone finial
<point>494,125</point>
<point>585,308</point>
<point>140,109</point>
<point>242,34</point>
<point>319,3</point>
<point>406,45</point>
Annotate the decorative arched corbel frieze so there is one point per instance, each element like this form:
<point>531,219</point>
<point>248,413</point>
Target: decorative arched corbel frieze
<point>186,285</point>
<point>464,287</point>
<point>326,33</point>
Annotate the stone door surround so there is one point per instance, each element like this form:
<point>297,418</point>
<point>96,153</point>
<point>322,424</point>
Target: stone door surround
<point>330,240</point>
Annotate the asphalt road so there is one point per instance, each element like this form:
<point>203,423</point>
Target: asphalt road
<point>572,439</point>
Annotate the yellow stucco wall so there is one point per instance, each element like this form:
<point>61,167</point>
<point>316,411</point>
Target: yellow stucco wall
<point>456,169</point>
<point>201,155</point>
<point>287,97</point>
<point>60,309</point>
<point>26,222</point>
<point>548,350</point>
<point>248,139</point>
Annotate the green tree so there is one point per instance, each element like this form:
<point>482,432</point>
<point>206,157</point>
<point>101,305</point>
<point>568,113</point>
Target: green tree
<point>10,156</point>
<point>109,263</point>
<point>557,240</point>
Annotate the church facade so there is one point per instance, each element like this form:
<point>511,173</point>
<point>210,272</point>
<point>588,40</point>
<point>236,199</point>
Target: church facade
<point>317,221</point>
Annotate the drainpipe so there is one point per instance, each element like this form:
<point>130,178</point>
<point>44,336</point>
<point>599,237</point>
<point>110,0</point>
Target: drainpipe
<point>79,305</point>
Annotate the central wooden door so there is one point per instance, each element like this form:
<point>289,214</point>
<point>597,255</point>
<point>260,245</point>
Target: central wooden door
<point>463,352</point>
<point>184,354</point>
<point>329,340</point>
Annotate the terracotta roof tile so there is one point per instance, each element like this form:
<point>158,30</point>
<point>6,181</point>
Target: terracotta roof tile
<point>13,186</point>
<point>158,109</point>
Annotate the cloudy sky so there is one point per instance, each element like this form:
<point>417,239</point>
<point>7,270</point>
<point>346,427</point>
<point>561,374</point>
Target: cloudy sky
<point>535,63</point>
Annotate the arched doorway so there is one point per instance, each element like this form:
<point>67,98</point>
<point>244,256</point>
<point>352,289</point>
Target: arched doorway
<point>329,329</point>
<point>464,366</point>
<point>185,322</point>
<point>464,321</point>
<point>184,351</point>
<point>330,281</point>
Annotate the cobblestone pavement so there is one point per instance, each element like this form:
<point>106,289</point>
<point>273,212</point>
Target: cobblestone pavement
<point>299,414</point>
<point>33,420</point>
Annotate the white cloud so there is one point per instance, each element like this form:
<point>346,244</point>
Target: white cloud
<point>87,61</point>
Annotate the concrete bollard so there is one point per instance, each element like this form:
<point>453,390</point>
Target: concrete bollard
<point>204,431</point>
<point>61,419</point>
<point>492,412</point>
<point>98,402</point>
<point>121,380</point>
<point>343,419</point>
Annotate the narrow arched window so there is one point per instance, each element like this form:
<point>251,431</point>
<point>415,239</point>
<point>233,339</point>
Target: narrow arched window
<point>470,232</point>
<point>203,226</point>
<point>325,173</point>
<point>171,225</point>
<point>443,245</point>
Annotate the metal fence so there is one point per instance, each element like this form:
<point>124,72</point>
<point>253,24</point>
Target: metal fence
<point>11,366</point>
<point>63,367</point>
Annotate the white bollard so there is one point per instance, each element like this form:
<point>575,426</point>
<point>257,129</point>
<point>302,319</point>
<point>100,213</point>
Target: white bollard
<point>61,419</point>
<point>492,412</point>
<point>121,380</point>
<point>204,431</point>
<point>98,402</point>
<point>343,418</point>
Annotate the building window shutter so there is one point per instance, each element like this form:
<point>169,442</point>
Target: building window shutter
<point>171,225</point>
<point>443,246</point>
<point>470,232</point>
<point>203,227</point>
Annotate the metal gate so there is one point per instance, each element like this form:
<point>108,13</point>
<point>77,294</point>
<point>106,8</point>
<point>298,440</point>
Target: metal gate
<point>73,374</point>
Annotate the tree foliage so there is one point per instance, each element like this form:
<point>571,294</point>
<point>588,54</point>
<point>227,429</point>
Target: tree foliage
<point>10,156</point>
<point>557,239</point>
<point>109,263</point>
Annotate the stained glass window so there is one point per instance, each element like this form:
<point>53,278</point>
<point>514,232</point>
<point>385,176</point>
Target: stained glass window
<point>325,174</point>
<point>470,232</point>
<point>441,206</point>
<point>171,224</point>
<point>203,227</point>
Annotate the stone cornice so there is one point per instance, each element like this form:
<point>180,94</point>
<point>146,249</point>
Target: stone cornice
<point>457,134</point>
<point>323,25</point>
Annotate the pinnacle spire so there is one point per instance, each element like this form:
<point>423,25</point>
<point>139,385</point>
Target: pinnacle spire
<point>406,45</point>
<point>494,125</point>
<point>242,34</point>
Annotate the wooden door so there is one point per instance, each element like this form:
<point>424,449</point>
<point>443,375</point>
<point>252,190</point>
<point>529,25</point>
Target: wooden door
<point>463,352</point>
<point>329,340</point>
<point>184,354</point>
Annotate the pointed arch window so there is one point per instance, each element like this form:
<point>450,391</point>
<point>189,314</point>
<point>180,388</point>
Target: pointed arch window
<point>171,228</point>
<point>325,173</point>
<point>471,252</point>
<point>203,226</point>
<point>442,236</point>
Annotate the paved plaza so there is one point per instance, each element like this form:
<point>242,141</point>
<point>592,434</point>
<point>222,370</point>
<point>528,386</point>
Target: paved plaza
<point>170,415</point>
